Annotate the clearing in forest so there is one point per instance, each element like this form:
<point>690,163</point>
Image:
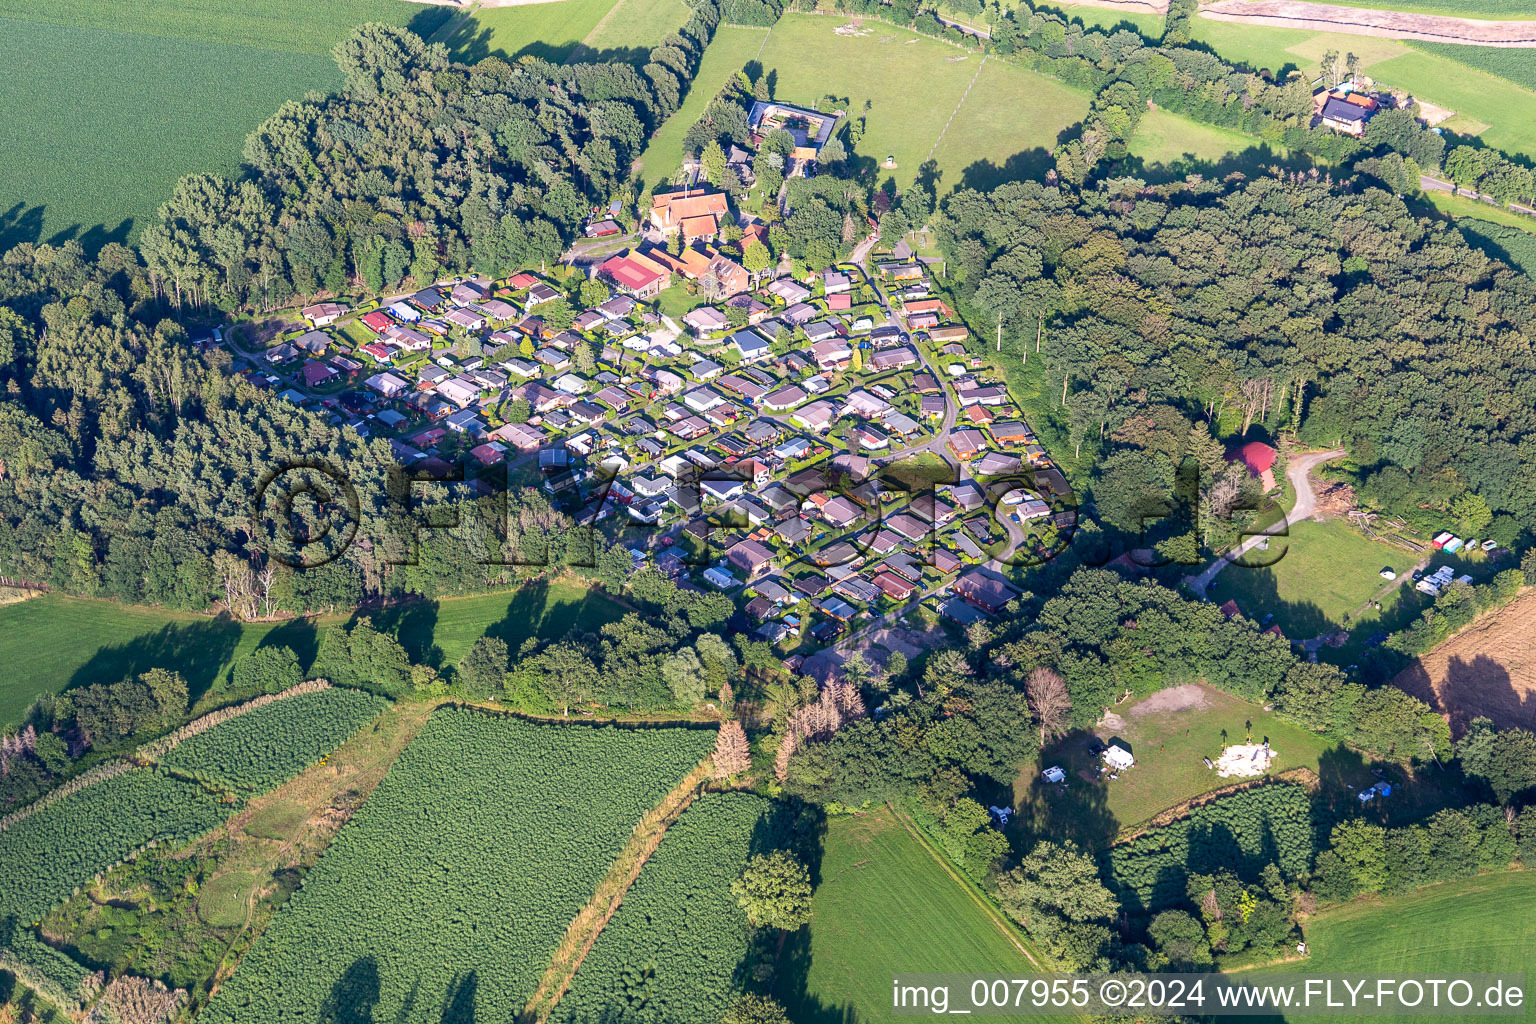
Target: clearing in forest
<point>453,884</point>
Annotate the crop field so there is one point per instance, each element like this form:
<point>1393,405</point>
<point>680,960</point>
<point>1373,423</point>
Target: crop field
<point>546,30</point>
<point>108,105</point>
<point>727,53</point>
<point>46,855</point>
<point>1327,571</point>
<point>679,920</point>
<point>260,749</point>
<point>1241,832</point>
<point>453,884</point>
<point>1480,925</point>
<point>1509,241</point>
<point>1489,669</point>
<point>885,905</point>
<point>1487,10</point>
<point>1511,63</point>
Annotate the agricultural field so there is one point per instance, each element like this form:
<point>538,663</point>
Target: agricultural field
<point>1489,669</point>
<point>631,28</point>
<point>727,53</point>
<point>64,844</point>
<point>1006,128</point>
<point>679,922</point>
<point>1009,111</point>
<point>1169,732</point>
<point>1487,10</point>
<point>549,31</point>
<point>110,641</point>
<point>409,907</point>
<point>1326,578</point>
<point>886,905</point>
<point>1503,239</point>
<point>1241,832</point>
<point>1444,929</point>
<point>1492,108</point>
<point>260,749</point>
<point>1510,63</point>
<point>108,105</point>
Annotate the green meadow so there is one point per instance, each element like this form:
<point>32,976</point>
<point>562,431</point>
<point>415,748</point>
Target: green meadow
<point>109,104</point>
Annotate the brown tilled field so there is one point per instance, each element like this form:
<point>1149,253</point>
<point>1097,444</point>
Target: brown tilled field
<point>1366,22</point>
<point>1489,669</point>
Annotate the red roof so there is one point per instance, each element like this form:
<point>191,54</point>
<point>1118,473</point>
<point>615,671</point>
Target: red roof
<point>1256,455</point>
<point>378,321</point>
<point>840,301</point>
<point>523,280</point>
<point>629,273</point>
<point>1231,610</point>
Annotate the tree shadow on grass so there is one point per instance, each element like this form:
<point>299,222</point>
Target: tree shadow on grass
<point>298,635</point>
<point>1076,809</point>
<point>1026,165</point>
<point>414,624</point>
<point>1251,161</point>
<point>196,650</point>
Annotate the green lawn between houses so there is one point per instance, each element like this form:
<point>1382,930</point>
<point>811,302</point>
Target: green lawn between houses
<point>53,642</point>
<point>1479,925</point>
<point>885,905</point>
<point>107,105</point>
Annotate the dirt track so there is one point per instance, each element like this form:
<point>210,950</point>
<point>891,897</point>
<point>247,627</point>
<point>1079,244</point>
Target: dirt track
<point>1489,669</point>
<point>1363,22</point>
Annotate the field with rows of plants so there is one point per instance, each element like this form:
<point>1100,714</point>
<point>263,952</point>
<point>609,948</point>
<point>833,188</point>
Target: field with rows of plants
<point>676,945</point>
<point>1516,64</point>
<point>1241,832</point>
<point>260,749</point>
<point>454,883</point>
<point>107,105</point>
<point>46,855</point>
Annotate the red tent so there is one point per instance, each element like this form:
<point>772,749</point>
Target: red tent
<point>1256,455</point>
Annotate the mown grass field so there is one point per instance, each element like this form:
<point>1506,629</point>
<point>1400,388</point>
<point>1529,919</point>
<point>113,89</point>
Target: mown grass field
<point>1149,25</point>
<point>107,641</point>
<point>884,906</point>
<point>1495,109</point>
<point>108,105</point>
<point>728,52</point>
<point>631,28</point>
<point>1327,570</point>
<point>1007,126</point>
<point>1174,141</point>
<point>547,30</point>
<point>1169,733</point>
<point>1009,111</point>
<point>1479,925</point>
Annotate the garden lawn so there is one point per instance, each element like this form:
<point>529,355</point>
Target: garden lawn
<point>1007,127</point>
<point>1479,925</point>
<point>108,105</point>
<point>884,906</point>
<point>728,52</point>
<point>452,885</point>
<point>546,30</point>
<point>1321,573</point>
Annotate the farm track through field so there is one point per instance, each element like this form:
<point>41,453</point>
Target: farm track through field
<point>1362,21</point>
<point>609,895</point>
<point>935,148</point>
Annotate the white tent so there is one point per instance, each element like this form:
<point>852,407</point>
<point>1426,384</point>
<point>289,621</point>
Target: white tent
<point>1118,757</point>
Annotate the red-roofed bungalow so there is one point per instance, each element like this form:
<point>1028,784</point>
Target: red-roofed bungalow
<point>378,321</point>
